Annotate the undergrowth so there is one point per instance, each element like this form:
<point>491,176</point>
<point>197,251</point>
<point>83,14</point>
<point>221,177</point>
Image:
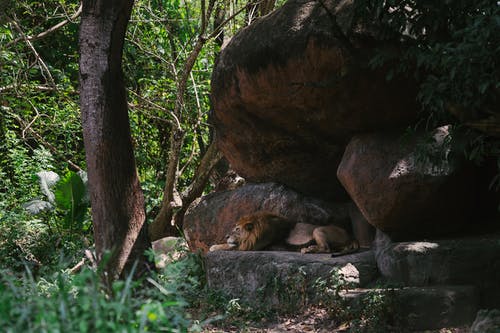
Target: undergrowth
<point>65,302</point>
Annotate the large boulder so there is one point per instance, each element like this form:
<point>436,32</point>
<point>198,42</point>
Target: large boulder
<point>290,90</point>
<point>407,188</point>
<point>209,220</point>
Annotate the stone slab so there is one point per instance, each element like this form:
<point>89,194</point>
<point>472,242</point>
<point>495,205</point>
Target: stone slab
<point>424,308</point>
<point>472,260</point>
<point>279,278</point>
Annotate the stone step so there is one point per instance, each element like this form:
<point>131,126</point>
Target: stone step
<point>466,261</point>
<point>420,308</point>
<point>275,278</point>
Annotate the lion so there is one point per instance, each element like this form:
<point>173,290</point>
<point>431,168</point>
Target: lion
<point>262,230</point>
<point>255,232</point>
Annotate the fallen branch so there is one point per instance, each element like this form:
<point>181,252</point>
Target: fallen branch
<point>16,87</point>
<point>75,269</point>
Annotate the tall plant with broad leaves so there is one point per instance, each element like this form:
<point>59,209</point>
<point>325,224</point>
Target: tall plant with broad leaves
<point>66,198</point>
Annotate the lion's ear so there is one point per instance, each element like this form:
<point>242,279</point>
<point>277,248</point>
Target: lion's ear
<point>249,226</point>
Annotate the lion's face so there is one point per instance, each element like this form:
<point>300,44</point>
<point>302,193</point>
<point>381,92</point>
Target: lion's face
<point>242,232</point>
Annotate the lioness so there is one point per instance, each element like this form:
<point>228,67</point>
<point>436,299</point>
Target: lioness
<point>260,230</point>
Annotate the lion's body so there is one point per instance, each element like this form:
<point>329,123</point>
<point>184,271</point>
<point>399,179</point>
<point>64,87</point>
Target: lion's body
<point>260,230</point>
<point>331,239</point>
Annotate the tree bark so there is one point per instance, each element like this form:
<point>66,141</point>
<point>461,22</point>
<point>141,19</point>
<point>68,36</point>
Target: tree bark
<point>117,200</point>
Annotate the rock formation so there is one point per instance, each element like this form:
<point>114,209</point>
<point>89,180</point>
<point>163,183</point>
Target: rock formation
<point>303,118</point>
<point>404,194</point>
<point>290,90</point>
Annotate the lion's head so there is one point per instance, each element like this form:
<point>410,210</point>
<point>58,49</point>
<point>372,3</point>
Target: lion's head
<point>257,231</point>
<point>245,234</point>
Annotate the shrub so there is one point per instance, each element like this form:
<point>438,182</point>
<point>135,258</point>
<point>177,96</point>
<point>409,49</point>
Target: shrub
<point>64,302</point>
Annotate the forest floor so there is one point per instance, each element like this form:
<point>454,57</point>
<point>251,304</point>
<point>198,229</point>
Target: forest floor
<point>313,320</point>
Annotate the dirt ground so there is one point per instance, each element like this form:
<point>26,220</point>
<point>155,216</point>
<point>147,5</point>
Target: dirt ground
<point>313,320</point>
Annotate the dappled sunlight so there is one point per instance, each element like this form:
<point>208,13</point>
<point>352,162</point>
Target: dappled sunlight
<point>410,165</point>
<point>418,247</point>
<point>403,167</point>
<point>433,162</point>
<point>302,15</point>
<point>350,273</point>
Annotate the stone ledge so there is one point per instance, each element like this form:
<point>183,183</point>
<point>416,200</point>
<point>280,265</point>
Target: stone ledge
<point>276,277</point>
<point>466,261</point>
<point>425,308</point>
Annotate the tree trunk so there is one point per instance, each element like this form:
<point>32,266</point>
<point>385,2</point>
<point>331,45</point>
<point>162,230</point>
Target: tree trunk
<point>162,224</point>
<point>117,200</point>
<point>211,158</point>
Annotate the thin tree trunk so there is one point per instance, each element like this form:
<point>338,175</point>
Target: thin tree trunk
<point>211,158</point>
<point>162,224</point>
<point>117,200</point>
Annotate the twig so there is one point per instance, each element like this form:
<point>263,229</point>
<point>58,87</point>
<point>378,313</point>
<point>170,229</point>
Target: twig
<point>41,140</point>
<point>37,56</point>
<point>78,266</point>
<point>154,55</point>
<point>217,30</point>
<point>198,105</point>
<point>23,133</point>
<point>190,158</point>
<point>159,107</point>
<point>49,30</point>
<point>15,87</point>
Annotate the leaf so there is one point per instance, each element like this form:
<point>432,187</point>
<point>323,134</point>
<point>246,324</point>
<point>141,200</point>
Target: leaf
<point>84,177</point>
<point>69,192</point>
<point>37,206</point>
<point>47,180</point>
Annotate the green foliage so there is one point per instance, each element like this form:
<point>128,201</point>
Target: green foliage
<point>452,49</point>
<point>69,199</point>
<point>40,121</point>
<point>371,312</point>
<point>25,241</point>
<point>376,313</point>
<point>452,46</point>
<point>63,302</point>
<point>330,293</point>
<point>22,237</point>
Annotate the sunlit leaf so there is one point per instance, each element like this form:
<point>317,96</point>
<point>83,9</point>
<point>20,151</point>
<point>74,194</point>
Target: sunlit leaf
<point>37,206</point>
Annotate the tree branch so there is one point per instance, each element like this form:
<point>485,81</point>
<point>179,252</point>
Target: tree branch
<point>15,87</point>
<point>202,174</point>
<point>49,30</point>
<point>27,127</point>
<point>37,56</point>
<point>159,107</point>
